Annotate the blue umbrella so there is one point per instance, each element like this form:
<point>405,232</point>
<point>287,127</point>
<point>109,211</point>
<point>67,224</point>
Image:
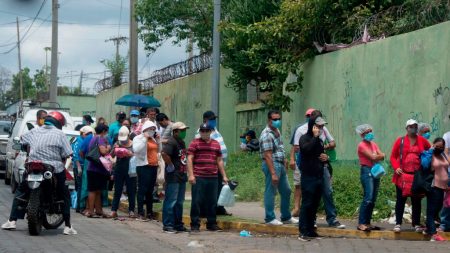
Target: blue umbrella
<point>138,100</point>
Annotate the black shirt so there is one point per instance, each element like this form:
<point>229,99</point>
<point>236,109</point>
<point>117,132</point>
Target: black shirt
<point>176,150</point>
<point>310,150</point>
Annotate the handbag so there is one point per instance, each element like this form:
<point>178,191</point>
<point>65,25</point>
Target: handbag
<point>422,181</point>
<point>94,154</point>
<point>107,162</point>
<point>406,184</point>
<point>377,171</point>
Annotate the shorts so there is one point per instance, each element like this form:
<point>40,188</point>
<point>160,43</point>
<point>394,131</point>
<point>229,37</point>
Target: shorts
<point>297,176</point>
<point>97,181</point>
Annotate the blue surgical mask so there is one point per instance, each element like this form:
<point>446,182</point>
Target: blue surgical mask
<point>84,122</point>
<point>134,120</point>
<point>426,135</point>
<point>243,140</point>
<point>369,136</point>
<point>276,123</point>
<point>212,123</point>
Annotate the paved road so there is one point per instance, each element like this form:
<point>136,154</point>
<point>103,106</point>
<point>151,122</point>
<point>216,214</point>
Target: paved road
<point>101,235</point>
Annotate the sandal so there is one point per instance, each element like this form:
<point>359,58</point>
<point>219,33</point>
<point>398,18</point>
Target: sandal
<point>363,228</point>
<point>90,215</point>
<point>104,215</point>
<point>372,227</point>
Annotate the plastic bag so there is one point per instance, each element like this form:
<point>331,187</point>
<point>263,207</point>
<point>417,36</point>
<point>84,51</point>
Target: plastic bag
<point>161,170</point>
<point>132,167</point>
<point>377,171</point>
<point>425,159</point>
<point>226,197</point>
<point>74,199</point>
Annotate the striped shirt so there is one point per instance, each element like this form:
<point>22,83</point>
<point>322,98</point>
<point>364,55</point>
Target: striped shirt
<point>49,145</point>
<point>215,135</point>
<point>205,157</point>
<point>269,142</point>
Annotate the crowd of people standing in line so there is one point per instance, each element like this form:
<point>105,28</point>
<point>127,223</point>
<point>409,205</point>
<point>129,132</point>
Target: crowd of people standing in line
<point>148,140</point>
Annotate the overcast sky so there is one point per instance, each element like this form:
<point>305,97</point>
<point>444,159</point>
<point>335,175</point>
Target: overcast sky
<point>84,27</point>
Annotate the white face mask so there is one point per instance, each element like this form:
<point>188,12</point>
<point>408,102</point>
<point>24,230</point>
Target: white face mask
<point>149,133</point>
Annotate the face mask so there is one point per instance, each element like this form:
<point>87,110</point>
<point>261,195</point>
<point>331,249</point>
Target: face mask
<point>205,136</point>
<point>149,133</point>
<point>412,130</point>
<point>438,151</point>
<point>212,123</point>
<point>134,120</point>
<point>182,135</point>
<point>426,135</point>
<point>243,140</point>
<point>369,136</point>
<point>123,142</point>
<point>276,123</point>
<point>84,122</point>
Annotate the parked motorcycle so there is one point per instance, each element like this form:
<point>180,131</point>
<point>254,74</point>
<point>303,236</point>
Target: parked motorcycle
<point>44,209</point>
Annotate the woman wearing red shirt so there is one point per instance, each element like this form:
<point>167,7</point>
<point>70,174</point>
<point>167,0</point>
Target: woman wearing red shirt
<point>405,160</point>
<point>368,153</point>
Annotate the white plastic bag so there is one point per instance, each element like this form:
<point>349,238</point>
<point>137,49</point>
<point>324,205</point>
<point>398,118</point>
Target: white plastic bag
<point>161,170</point>
<point>226,197</point>
<point>132,168</point>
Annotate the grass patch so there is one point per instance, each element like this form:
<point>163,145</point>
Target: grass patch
<point>246,169</point>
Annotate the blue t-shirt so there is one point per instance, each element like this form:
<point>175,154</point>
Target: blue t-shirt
<point>113,131</point>
<point>85,144</point>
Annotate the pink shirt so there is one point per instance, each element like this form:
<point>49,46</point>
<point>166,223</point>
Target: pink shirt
<point>372,147</point>
<point>440,167</point>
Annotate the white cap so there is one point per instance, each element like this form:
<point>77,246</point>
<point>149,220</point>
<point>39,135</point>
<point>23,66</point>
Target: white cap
<point>148,124</point>
<point>87,129</point>
<point>179,125</point>
<point>411,122</point>
<point>123,133</point>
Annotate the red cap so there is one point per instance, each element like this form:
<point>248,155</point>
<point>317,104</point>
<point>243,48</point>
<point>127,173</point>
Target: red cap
<point>309,111</point>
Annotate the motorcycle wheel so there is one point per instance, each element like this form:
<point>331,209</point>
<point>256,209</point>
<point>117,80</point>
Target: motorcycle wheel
<point>33,213</point>
<point>52,221</point>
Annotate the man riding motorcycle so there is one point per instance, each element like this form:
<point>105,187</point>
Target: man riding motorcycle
<point>49,145</point>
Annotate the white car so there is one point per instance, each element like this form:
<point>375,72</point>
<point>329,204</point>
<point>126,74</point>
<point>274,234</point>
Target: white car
<point>20,127</point>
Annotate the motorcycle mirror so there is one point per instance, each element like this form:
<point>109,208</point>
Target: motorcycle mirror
<point>16,139</point>
<point>17,146</point>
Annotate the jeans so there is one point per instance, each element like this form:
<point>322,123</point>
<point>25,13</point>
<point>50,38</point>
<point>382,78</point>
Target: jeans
<point>400,208</point>
<point>311,193</point>
<point>204,195</point>
<point>120,177</point>
<point>435,199</point>
<point>271,191</point>
<point>173,205</point>
<point>370,187</point>
<point>146,182</point>
<point>445,219</point>
<point>327,196</point>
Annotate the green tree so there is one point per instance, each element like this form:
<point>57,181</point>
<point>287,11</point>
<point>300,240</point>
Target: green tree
<point>40,80</point>
<point>117,67</point>
<point>29,91</point>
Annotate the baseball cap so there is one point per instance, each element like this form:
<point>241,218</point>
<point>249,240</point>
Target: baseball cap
<point>87,129</point>
<point>179,125</point>
<point>205,126</point>
<point>411,122</point>
<point>320,121</point>
<point>147,125</point>
<point>209,115</point>
<point>309,111</point>
<point>135,112</point>
<point>123,133</point>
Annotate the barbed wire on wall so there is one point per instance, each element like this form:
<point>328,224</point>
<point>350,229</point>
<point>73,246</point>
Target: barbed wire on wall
<point>191,66</point>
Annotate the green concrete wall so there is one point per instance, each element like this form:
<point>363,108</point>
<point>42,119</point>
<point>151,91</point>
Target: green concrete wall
<point>186,99</point>
<point>79,105</point>
<point>382,83</point>
<point>106,106</point>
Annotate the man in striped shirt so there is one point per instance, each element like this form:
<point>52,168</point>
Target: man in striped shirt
<point>205,163</point>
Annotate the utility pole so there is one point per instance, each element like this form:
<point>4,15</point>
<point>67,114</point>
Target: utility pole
<point>133,73</point>
<point>80,83</point>
<point>117,41</point>
<point>46,65</point>
<point>20,61</point>
<point>216,59</point>
<point>54,64</point>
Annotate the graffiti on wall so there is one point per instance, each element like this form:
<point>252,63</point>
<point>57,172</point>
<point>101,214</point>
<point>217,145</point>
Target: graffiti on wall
<point>441,95</point>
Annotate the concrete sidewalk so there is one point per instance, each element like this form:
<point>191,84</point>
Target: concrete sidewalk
<point>250,216</point>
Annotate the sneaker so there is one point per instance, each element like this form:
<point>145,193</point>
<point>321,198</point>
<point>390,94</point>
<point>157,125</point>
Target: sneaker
<point>169,230</point>
<point>69,231</point>
<point>437,238</point>
<point>304,238</point>
<point>419,229</point>
<point>214,228</point>
<point>275,222</point>
<point>315,236</point>
<point>183,230</point>
<point>338,225</point>
<point>397,228</point>
<point>132,215</point>
<point>292,220</point>
<point>9,225</point>
<point>142,218</point>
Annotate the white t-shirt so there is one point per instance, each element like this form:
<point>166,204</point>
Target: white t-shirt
<point>446,138</point>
